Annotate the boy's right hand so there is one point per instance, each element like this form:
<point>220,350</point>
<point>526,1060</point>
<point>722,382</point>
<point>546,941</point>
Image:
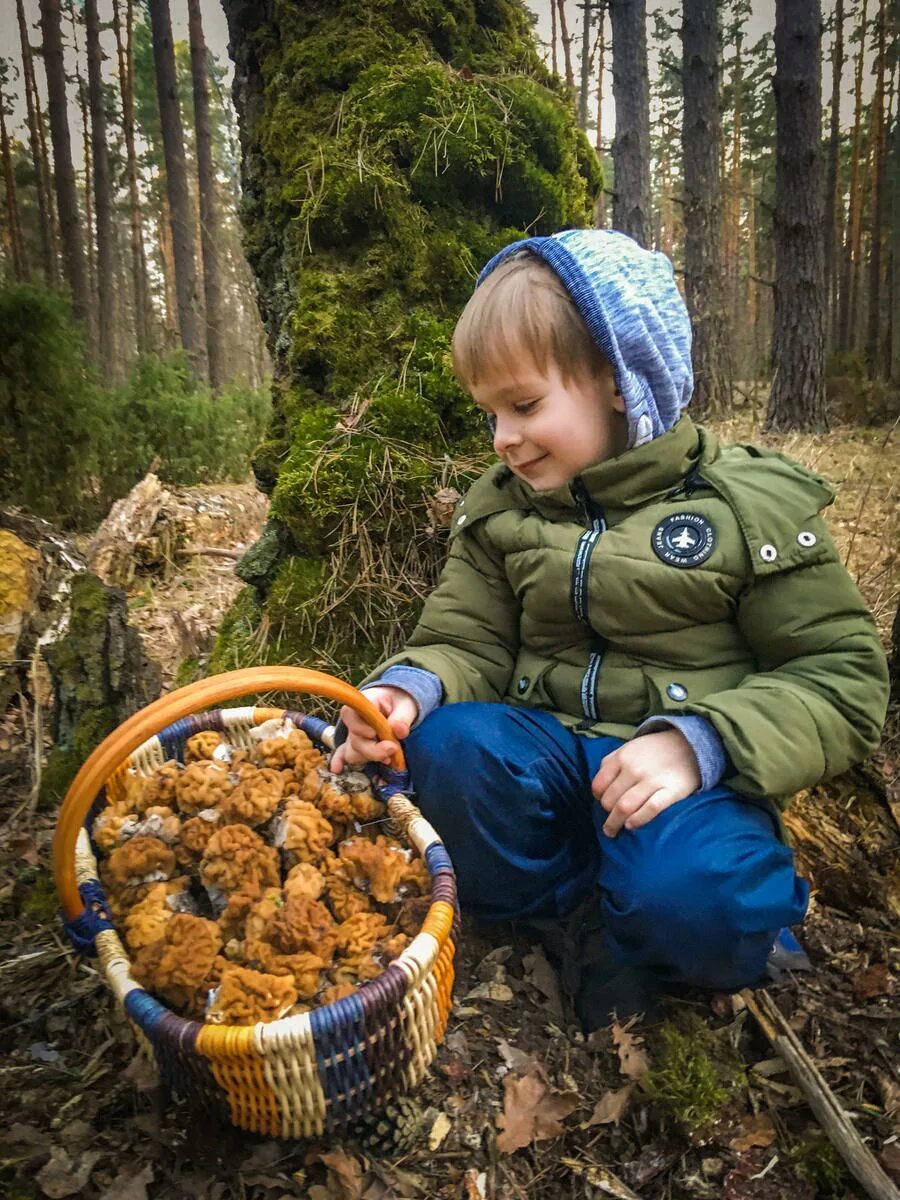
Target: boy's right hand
<point>362,744</point>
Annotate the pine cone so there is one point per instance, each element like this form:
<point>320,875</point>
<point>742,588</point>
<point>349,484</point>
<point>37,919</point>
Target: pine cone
<point>393,1129</point>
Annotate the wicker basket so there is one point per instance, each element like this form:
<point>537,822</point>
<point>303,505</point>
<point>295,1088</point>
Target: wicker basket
<point>300,1075</point>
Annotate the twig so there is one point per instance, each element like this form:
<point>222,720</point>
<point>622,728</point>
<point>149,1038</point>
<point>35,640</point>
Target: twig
<point>601,1178</point>
<point>826,1108</point>
<point>211,552</point>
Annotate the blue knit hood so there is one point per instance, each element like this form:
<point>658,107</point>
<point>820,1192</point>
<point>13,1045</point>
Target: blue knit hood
<point>628,299</point>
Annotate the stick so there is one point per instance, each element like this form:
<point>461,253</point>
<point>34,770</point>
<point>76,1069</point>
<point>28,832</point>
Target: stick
<point>861,1162</point>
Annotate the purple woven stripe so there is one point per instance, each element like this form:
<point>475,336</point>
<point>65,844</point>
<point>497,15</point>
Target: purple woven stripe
<point>387,1052</point>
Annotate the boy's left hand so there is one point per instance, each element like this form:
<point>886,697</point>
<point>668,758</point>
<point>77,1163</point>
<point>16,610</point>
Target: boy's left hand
<point>646,775</point>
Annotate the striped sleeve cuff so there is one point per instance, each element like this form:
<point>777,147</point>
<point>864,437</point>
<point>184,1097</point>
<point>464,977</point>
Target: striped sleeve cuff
<point>702,738</point>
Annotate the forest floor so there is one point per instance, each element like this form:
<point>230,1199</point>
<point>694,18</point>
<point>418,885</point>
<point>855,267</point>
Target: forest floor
<point>696,1106</point>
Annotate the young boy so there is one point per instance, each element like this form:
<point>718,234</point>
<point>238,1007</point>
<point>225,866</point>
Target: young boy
<point>641,638</point>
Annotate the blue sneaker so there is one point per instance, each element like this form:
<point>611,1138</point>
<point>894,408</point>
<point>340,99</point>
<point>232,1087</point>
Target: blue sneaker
<point>786,955</point>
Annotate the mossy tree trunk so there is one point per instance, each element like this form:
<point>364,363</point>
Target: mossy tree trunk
<point>388,150</point>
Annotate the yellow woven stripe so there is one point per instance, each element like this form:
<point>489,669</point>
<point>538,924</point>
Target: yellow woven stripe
<point>439,921</point>
<point>239,1070</point>
<point>443,977</point>
<point>289,1060</point>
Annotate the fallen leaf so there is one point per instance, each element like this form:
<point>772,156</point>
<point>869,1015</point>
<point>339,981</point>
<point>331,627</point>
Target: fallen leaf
<point>873,981</point>
<point>600,1177</point>
<point>63,1175</point>
<point>633,1060</point>
<point>453,1068</point>
<point>129,1186</point>
<point>532,1111</point>
<point>500,992</point>
<point>439,1130</point>
<point>610,1108</point>
<point>345,1175</point>
<point>517,1060</point>
<point>755,1131</point>
<point>541,975</point>
<point>890,1159</point>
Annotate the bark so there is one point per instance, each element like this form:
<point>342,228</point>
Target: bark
<point>873,335</point>
<point>701,133</point>
<point>797,398</point>
<point>833,211</point>
<point>210,225</point>
<point>88,199</point>
<point>600,210</point>
<point>177,188</point>
<point>854,217</point>
<point>63,174</point>
<point>733,226</point>
<point>895,249</point>
<point>106,293</point>
<point>585,64</point>
<point>631,92</point>
<point>139,283</point>
<point>554,60</point>
<point>13,230</point>
<point>752,303</point>
<point>41,173</point>
<point>566,43</point>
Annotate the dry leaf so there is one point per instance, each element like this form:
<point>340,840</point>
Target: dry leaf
<point>601,1178</point>
<point>64,1176</point>
<point>439,1130</point>
<point>755,1131</point>
<point>541,975</point>
<point>491,991</point>
<point>610,1108</point>
<point>345,1175</point>
<point>517,1060</point>
<point>129,1186</point>
<point>532,1111</point>
<point>633,1060</point>
<point>873,981</point>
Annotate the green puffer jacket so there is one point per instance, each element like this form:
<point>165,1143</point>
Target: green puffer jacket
<point>742,614</point>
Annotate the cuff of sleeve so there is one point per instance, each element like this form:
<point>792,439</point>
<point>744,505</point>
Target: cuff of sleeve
<point>702,738</point>
<point>424,687</point>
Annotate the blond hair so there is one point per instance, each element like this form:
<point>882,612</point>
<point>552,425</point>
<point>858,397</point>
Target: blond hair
<point>522,310</point>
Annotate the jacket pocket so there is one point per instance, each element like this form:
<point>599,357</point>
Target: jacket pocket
<point>528,683</point>
<point>669,689</point>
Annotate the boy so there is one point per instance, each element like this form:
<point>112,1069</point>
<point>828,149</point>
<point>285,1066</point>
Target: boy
<point>640,638</point>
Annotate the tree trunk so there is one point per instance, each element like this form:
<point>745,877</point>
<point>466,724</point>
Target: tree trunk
<point>631,93</point>
<point>600,210</point>
<point>14,231</point>
<point>733,223</point>
<point>107,342</point>
<point>139,283</point>
<point>585,65</point>
<point>701,129</point>
<point>89,242</point>
<point>566,44</point>
<point>873,335</point>
<point>41,175</point>
<point>554,59</point>
<point>854,216</point>
<point>177,188</point>
<point>895,248</point>
<point>210,226</point>
<point>63,174</point>
<point>752,302</point>
<point>797,398</point>
<point>833,210</point>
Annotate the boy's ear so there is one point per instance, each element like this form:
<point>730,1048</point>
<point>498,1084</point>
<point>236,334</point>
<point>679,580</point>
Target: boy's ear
<point>618,402</point>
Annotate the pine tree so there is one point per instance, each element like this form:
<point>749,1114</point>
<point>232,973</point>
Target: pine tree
<point>38,158</point>
<point>833,195</point>
<point>874,356</point>
<point>631,92</point>
<point>13,225</point>
<point>797,398</point>
<point>103,200</point>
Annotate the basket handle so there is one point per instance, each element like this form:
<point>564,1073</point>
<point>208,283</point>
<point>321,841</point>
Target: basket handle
<point>205,693</point>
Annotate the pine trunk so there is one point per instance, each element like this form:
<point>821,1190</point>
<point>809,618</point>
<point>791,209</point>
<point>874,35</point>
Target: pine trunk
<point>89,242</point>
<point>873,334</point>
<point>631,93</point>
<point>167,261</point>
<point>106,290</point>
<point>14,231</point>
<point>752,302</point>
<point>600,208</point>
<point>209,215</point>
<point>733,225</point>
<point>139,283</point>
<point>63,173</point>
<point>566,44</point>
<point>554,59</point>
<point>701,130</point>
<point>833,211</point>
<point>585,65</point>
<point>41,176</point>
<point>854,215</point>
<point>797,398</point>
<point>177,188</point>
<point>895,248</point>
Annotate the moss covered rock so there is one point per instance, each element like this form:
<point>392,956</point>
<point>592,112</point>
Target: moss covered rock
<point>389,149</point>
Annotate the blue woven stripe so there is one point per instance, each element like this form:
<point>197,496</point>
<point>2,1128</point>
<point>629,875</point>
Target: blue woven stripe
<point>93,919</point>
<point>436,857</point>
<point>313,727</point>
<point>387,782</point>
<point>173,737</point>
<point>339,1034</point>
<point>144,1010</point>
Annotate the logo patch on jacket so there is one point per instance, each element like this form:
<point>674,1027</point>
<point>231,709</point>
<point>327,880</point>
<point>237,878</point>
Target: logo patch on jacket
<point>684,540</point>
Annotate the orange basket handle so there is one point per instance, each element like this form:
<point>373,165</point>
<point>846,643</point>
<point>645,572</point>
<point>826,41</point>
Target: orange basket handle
<point>205,693</point>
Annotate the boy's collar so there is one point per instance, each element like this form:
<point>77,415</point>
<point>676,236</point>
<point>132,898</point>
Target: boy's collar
<point>641,473</point>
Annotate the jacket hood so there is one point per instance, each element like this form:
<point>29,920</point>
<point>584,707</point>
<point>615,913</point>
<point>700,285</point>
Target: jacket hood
<point>628,299</point>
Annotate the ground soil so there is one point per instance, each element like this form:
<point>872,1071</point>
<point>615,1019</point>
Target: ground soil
<point>695,1105</point>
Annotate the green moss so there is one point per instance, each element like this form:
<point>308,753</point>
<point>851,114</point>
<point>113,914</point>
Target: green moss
<point>62,767</point>
<point>391,149</point>
<point>41,901</point>
<point>691,1073</point>
<point>239,643</point>
<point>816,1160</point>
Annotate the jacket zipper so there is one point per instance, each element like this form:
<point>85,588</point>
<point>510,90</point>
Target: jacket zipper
<point>594,519</point>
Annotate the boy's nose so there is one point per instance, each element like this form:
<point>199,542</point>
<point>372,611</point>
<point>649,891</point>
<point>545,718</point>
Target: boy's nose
<point>505,436</point>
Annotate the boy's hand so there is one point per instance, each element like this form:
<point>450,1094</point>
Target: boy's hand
<point>646,775</point>
<point>362,744</point>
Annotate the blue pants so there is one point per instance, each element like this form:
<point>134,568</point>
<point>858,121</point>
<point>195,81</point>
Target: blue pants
<point>696,895</point>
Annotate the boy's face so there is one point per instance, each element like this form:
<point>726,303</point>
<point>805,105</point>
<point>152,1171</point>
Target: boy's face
<point>548,430</point>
